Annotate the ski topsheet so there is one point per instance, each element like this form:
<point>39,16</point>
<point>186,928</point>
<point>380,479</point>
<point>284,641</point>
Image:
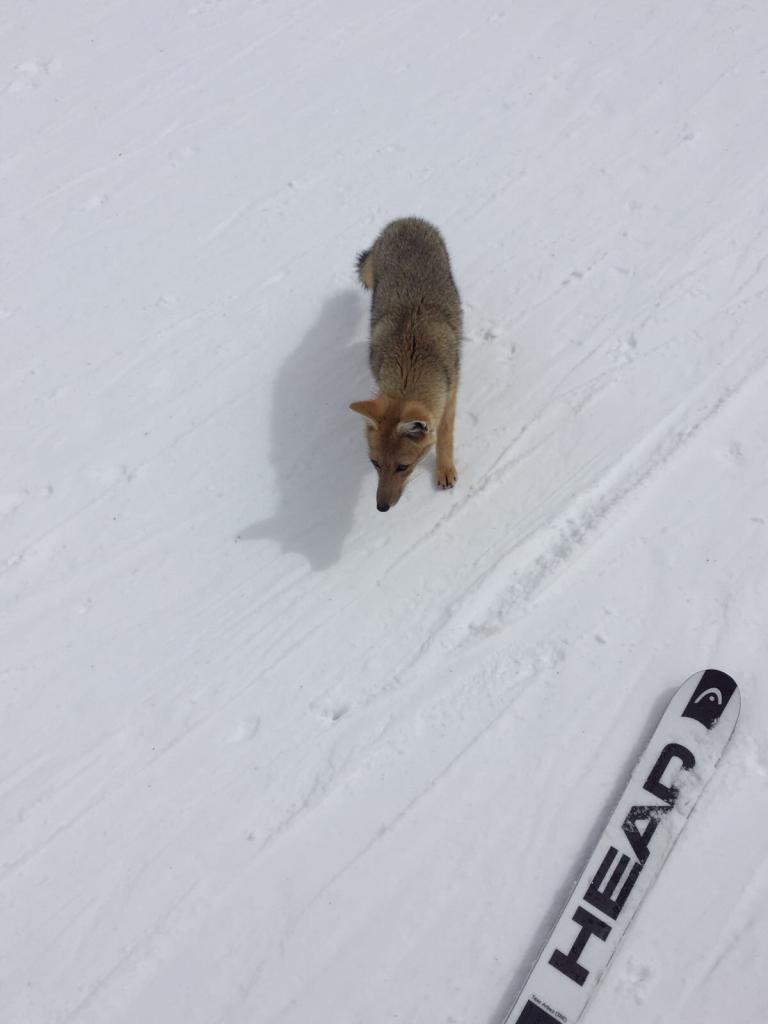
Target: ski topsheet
<point>650,815</point>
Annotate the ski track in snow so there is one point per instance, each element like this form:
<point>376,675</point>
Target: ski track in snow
<point>266,754</point>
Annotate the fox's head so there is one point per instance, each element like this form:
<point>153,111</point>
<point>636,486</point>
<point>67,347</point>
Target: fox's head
<point>400,432</point>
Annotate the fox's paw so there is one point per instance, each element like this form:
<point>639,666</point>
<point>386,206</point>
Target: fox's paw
<point>446,476</point>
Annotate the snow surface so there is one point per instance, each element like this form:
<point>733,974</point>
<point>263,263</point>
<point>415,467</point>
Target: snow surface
<point>266,754</point>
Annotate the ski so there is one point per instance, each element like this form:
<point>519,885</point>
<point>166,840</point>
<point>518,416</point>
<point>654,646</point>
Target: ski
<point>650,815</point>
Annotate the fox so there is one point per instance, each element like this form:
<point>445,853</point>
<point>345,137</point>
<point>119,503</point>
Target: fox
<point>414,356</point>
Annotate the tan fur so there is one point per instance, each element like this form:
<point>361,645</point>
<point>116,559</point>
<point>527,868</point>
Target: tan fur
<point>365,269</point>
<point>416,327</point>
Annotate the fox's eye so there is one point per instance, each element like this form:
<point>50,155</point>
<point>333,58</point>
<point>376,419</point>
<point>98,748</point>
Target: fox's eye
<point>401,469</point>
<point>375,463</point>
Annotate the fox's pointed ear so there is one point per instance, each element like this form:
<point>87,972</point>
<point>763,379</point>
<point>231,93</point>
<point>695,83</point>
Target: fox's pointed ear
<point>416,421</point>
<point>417,430</point>
<point>372,410</point>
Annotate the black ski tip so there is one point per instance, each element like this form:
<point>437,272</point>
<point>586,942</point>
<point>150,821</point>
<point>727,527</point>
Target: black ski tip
<point>715,674</point>
<point>710,698</point>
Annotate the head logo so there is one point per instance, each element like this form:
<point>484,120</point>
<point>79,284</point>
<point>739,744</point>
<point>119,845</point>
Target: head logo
<point>709,698</point>
<point>612,883</point>
<point>711,694</point>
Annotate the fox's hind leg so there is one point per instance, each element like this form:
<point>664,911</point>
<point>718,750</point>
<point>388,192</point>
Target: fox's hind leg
<point>365,268</point>
<point>446,470</point>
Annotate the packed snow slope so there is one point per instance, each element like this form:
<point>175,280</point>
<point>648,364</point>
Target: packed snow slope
<point>268,756</point>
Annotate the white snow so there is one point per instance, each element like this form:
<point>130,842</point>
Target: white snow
<point>267,755</point>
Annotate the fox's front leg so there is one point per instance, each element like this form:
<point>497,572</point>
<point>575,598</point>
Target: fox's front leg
<point>446,470</point>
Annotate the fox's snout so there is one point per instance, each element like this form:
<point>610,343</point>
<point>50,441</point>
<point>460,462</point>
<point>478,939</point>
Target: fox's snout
<point>386,498</point>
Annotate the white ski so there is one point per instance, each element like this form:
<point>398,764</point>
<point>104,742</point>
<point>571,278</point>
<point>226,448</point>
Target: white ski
<point>662,791</point>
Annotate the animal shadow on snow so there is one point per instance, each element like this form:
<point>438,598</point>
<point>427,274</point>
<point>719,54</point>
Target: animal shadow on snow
<point>316,447</point>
